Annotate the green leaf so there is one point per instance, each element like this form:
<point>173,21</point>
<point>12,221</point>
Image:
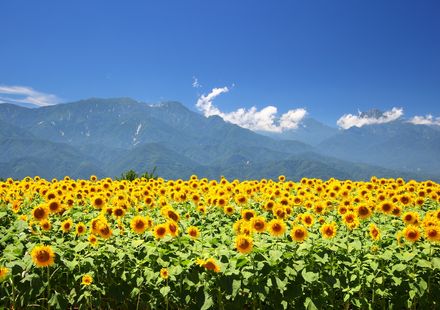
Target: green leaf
<point>139,281</point>
<point>81,246</point>
<point>309,276</point>
<point>374,265</point>
<point>309,305</point>
<point>399,267</point>
<point>165,290</point>
<point>407,256</point>
<point>436,262</point>
<point>236,285</point>
<point>136,243</point>
<point>208,302</point>
<point>424,263</point>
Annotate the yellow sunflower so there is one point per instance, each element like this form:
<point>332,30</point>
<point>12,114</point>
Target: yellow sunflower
<point>193,232</point>
<point>244,244</point>
<point>3,273</point>
<point>43,256</point>
<point>328,231</point>
<point>160,231</point>
<point>374,232</point>
<point>164,274</point>
<point>299,233</point>
<point>276,227</point>
<point>411,233</point>
<point>66,225</point>
<point>86,280</point>
<point>139,224</point>
<point>40,213</point>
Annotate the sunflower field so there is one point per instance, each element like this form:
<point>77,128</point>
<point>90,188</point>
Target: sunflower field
<point>202,244</point>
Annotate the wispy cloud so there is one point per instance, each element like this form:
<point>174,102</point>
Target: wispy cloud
<point>195,83</point>
<point>24,94</point>
<point>425,120</point>
<point>258,120</point>
<point>349,120</point>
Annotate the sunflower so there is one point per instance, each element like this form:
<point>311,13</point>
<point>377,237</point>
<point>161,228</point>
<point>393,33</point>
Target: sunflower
<point>279,211</point>
<point>3,273</point>
<point>45,225</point>
<point>432,233</point>
<point>43,256</point>
<point>307,219</point>
<point>40,213</point>
<point>118,211</point>
<point>247,214</point>
<point>277,227</point>
<point>244,244</point>
<point>211,264</point>
<point>386,207</point>
<point>298,233</point>
<point>228,209</point>
<point>411,233</point>
<point>258,224</point>
<point>410,217</point>
<point>328,231</point>
<point>86,280</point>
<point>98,202</point>
<point>80,228</point>
<point>164,274</point>
<point>374,232</point>
<point>54,206</point>
<point>66,225</point>
<point>363,211</point>
<point>104,230</point>
<point>93,240</point>
<point>160,230</point>
<point>173,229</point>
<point>240,199</point>
<point>139,224</point>
<point>193,232</point>
<point>350,219</point>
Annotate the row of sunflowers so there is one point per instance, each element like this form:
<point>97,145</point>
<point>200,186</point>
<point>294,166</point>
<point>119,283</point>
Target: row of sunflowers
<point>198,243</point>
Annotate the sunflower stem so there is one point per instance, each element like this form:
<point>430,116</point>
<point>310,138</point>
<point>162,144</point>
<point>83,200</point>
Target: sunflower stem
<point>48,287</point>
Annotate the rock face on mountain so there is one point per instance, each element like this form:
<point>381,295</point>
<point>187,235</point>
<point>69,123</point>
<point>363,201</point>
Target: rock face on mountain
<point>108,136</point>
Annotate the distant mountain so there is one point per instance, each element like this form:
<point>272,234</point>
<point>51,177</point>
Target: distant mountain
<point>21,104</point>
<point>397,145</point>
<point>108,136</point>
<point>309,131</point>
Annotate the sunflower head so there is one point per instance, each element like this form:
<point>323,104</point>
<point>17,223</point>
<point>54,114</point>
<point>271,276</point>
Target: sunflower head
<point>374,232</point>
<point>43,256</point>
<point>277,227</point>
<point>244,244</point>
<point>160,231</point>
<point>411,233</point>
<point>139,224</point>
<point>298,233</point>
<point>328,231</point>
<point>87,280</point>
<point>66,225</point>
<point>193,232</point>
<point>3,273</point>
<point>164,274</point>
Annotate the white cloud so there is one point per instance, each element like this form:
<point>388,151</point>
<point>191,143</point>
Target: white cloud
<point>195,83</point>
<point>349,120</point>
<point>23,94</point>
<point>425,120</point>
<point>253,119</point>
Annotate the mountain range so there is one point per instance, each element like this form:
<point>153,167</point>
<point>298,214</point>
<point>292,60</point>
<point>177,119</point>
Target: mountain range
<point>106,137</point>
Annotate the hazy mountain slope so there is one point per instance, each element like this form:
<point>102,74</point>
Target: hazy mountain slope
<point>309,131</point>
<point>396,145</point>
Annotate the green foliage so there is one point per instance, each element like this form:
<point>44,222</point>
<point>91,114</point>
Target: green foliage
<point>132,175</point>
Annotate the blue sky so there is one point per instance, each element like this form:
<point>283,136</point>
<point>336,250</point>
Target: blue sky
<point>328,57</point>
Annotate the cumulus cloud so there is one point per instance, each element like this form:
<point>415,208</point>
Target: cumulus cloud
<point>425,120</point>
<point>195,83</point>
<point>258,120</point>
<point>23,94</point>
<point>349,120</point>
